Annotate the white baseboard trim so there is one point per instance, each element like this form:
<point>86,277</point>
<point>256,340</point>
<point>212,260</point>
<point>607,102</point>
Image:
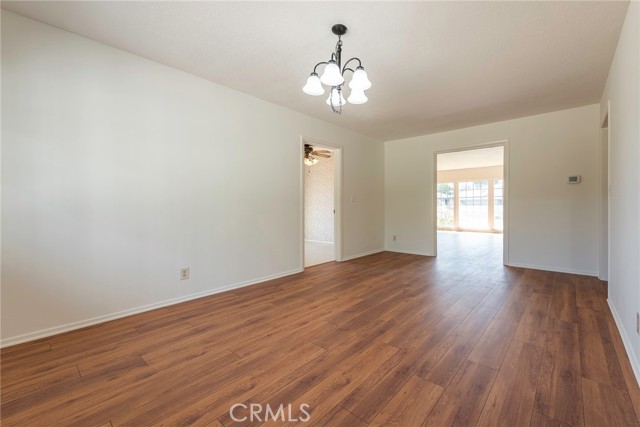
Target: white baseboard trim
<point>43,333</point>
<point>403,251</point>
<point>635,365</point>
<point>556,269</point>
<point>360,255</point>
<point>322,242</point>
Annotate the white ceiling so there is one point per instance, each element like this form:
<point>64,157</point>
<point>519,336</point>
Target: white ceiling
<point>467,159</point>
<point>434,65</point>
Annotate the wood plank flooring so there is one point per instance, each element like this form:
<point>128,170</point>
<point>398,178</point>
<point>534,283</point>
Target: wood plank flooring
<point>385,340</point>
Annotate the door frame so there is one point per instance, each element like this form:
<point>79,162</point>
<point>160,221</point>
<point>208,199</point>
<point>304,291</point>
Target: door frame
<point>604,226</point>
<point>506,188</point>
<point>337,194</point>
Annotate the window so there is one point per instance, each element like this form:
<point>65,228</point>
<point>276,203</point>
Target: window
<point>473,201</point>
<point>471,205</point>
<point>446,203</point>
<point>498,204</point>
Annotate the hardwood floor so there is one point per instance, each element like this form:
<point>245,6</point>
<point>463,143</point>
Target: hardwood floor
<point>385,340</point>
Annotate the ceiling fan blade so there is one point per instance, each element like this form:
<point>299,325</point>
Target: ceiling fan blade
<point>327,156</point>
<point>322,151</point>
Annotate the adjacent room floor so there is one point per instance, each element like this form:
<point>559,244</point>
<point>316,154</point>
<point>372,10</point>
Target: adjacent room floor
<point>389,339</point>
<point>318,253</point>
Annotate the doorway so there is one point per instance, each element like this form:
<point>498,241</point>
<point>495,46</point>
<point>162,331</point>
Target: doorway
<point>471,203</point>
<point>604,199</point>
<point>321,166</point>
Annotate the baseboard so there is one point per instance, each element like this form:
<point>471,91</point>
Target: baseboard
<point>360,255</point>
<point>43,333</point>
<point>403,251</point>
<point>635,365</point>
<point>556,269</point>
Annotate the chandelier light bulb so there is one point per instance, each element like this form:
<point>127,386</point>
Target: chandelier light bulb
<point>313,86</point>
<point>360,81</point>
<point>357,97</point>
<point>336,98</point>
<point>332,75</point>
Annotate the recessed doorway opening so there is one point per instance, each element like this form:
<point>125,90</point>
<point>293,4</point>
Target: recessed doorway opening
<point>321,173</point>
<point>470,198</point>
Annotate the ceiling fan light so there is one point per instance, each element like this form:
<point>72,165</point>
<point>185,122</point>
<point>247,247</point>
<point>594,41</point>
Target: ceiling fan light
<point>331,75</point>
<point>360,81</point>
<point>336,98</point>
<point>313,86</point>
<point>357,96</point>
<point>310,160</point>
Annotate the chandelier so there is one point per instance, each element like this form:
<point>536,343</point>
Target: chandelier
<point>333,76</point>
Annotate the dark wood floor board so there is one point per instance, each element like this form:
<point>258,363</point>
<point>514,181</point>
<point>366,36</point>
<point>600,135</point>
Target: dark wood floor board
<point>464,398</point>
<point>632,386</point>
<point>605,405</point>
<point>559,390</point>
<point>539,420</point>
<point>387,339</point>
<point>66,399</point>
<point>340,417</point>
<point>190,392</point>
<point>588,294</point>
<point>410,406</point>
<point>511,399</point>
<point>35,383</point>
<point>597,353</point>
<point>304,378</point>
<point>494,342</point>
<point>329,392</point>
<point>367,400</point>
<point>563,301</point>
<point>532,327</point>
<point>447,357</point>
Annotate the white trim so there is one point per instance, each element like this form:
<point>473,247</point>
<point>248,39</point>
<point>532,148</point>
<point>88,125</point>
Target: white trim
<point>604,204</point>
<point>43,333</point>
<point>505,194</point>
<point>320,242</point>
<point>555,269</point>
<point>360,255</point>
<point>337,196</point>
<point>633,359</point>
<point>403,251</point>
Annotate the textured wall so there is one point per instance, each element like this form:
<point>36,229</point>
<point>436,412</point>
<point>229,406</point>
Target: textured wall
<point>318,201</point>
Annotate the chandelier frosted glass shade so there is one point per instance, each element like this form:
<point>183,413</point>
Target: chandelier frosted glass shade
<point>357,97</point>
<point>313,86</point>
<point>336,98</point>
<point>332,75</point>
<point>360,81</point>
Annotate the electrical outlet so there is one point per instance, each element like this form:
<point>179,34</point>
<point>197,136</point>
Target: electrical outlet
<point>395,238</point>
<point>184,273</point>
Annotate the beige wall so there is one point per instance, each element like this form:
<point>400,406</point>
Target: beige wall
<point>552,225</point>
<point>623,92</point>
<point>117,171</point>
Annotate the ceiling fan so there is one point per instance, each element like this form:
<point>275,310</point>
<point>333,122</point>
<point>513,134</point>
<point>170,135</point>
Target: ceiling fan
<point>310,155</point>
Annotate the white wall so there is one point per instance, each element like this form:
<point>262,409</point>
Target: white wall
<point>552,225</point>
<point>116,171</point>
<point>319,200</point>
<point>623,91</point>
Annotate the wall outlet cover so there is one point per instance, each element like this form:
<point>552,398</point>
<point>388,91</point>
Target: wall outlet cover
<point>184,273</point>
